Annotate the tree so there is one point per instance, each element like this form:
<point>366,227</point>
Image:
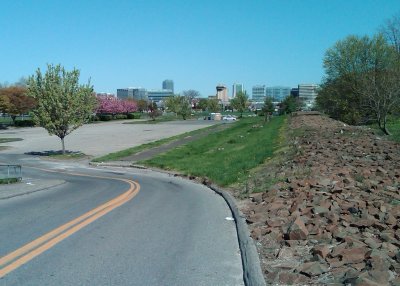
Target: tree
<point>191,94</point>
<point>368,70</point>
<point>202,104</point>
<point>391,31</point>
<point>63,104</point>
<point>213,105</point>
<point>184,107</point>
<point>113,105</point>
<point>172,103</point>
<point>268,109</point>
<point>153,110</point>
<point>16,102</point>
<point>289,104</point>
<point>4,103</point>
<point>240,102</point>
<point>142,105</point>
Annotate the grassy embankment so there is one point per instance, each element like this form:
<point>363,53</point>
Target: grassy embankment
<point>228,156</point>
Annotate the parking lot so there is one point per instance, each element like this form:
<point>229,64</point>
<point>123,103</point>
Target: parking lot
<point>97,139</point>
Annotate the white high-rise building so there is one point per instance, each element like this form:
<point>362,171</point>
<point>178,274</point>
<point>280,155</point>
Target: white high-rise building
<point>307,94</point>
<point>258,93</point>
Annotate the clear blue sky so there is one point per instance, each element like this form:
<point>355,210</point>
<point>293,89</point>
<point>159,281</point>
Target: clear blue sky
<point>198,44</point>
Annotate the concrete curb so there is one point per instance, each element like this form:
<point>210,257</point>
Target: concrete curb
<point>21,189</point>
<point>252,273</point>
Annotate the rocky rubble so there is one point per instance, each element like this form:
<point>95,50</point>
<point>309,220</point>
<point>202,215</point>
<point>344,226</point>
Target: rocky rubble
<point>335,217</point>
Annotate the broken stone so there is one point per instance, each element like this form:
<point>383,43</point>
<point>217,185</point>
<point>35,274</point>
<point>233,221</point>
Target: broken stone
<point>321,250</point>
<point>353,255</point>
<point>313,269</point>
<point>297,230</point>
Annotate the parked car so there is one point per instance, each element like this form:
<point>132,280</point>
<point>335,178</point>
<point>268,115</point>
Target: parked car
<point>229,118</point>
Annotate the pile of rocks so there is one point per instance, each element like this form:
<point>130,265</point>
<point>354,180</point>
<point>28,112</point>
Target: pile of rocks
<point>335,219</point>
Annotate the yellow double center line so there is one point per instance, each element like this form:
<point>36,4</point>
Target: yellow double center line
<point>22,255</point>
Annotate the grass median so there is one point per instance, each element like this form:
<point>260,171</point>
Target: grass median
<point>225,157</point>
<point>115,156</point>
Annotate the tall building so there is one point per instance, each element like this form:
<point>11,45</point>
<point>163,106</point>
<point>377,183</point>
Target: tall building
<point>258,93</point>
<point>222,94</point>
<point>277,93</point>
<point>236,88</point>
<point>307,95</point>
<point>168,84</point>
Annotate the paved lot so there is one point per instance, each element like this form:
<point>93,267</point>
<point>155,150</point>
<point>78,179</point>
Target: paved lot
<point>97,139</point>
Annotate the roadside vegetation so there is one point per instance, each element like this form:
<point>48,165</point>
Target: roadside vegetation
<point>228,156</point>
<point>131,151</point>
<point>361,83</point>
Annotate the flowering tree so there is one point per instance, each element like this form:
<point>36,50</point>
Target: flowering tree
<point>113,105</point>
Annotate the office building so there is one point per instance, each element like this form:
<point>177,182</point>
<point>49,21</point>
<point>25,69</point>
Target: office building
<point>258,93</point>
<point>307,95</point>
<point>136,93</point>
<point>236,88</point>
<point>294,92</point>
<point>158,95</point>
<point>168,84</point>
<point>222,94</point>
<point>277,93</point>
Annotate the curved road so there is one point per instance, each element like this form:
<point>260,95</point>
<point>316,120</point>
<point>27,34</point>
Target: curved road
<point>173,232</point>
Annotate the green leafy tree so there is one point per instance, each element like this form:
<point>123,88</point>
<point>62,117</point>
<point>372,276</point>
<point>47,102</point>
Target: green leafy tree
<point>368,71</point>
<point>213,105</point>
<point>202,104</point>
<point>240,102</point>
<point>172,103</point>
<point>289,104</point>
<point>63,104</point>
<point>268,109</point>
<point>184,107</point>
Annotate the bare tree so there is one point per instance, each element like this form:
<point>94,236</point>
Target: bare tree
<point>391,31</point>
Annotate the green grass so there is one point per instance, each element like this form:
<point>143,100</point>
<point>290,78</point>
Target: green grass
<point>6,140</point>
<point>225,157</point>
<point>394,128</point>
<point>131,151</point>
<point>163,118</point>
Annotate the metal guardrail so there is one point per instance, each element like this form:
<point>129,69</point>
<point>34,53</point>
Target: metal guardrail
<point>10,173</point>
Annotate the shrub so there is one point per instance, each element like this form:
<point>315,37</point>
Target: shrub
<point>134,115</point>
<point>105,117</point>
<point>121,116</point>
<point>24,123</point>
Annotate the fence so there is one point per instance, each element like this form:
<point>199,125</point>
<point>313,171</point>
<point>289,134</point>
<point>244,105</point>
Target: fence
<point>10,173</point>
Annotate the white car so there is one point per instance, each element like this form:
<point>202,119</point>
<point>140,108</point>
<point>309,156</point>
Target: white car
<point>229,118</point>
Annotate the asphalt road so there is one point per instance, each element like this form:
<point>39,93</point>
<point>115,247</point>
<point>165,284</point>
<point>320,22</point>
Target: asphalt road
<point>173,232</point>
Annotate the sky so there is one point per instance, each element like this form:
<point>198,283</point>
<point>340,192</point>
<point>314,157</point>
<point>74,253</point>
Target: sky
<point>197,44</point>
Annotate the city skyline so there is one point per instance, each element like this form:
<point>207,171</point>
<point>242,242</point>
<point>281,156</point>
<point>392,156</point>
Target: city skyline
<point>272,43</point>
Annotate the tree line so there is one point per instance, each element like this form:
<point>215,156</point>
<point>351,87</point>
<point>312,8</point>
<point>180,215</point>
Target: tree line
<point>362,77</point>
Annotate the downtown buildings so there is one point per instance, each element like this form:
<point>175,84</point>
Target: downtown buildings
<point>155,95</point>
